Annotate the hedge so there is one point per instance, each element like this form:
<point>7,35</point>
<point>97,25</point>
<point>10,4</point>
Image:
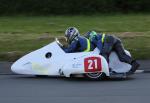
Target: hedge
<point>47,7</point>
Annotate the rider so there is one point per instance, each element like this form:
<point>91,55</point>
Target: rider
<point>107,43</point>
<point>76,42</point>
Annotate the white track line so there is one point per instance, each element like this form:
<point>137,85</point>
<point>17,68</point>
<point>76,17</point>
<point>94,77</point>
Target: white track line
<point>139,71</point>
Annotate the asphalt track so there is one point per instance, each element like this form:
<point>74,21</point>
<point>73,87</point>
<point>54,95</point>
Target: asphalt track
<point>30,89</point>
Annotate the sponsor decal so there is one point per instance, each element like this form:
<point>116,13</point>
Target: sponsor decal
<point>39,68</point>
<point>76,65</point>
<point>92,64</point>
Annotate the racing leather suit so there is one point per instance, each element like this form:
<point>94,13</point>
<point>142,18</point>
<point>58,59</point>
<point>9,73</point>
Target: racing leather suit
<point>108,43</point>
<point>80,44</point>
<point>111,43</point>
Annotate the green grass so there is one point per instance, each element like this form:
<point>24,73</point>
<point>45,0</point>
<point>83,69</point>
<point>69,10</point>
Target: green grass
<point>22,33</point>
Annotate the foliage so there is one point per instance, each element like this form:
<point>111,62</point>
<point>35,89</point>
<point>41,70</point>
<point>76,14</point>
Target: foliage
<point>48,7</point>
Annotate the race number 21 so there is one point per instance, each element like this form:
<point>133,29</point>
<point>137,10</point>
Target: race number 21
<point>92,64</point>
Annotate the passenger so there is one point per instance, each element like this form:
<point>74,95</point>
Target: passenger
<point>107,43</point>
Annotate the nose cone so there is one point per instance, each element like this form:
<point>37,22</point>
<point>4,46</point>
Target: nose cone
<point>29,68</point>
<point>15,68</point>
<point>19,68</point>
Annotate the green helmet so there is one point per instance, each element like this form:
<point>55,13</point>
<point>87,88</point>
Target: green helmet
<point>91,35</point>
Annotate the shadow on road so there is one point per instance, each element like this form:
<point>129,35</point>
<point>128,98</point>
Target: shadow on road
<point>72,79</point>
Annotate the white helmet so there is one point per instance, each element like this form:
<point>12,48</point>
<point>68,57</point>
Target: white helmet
<point>71,33</point>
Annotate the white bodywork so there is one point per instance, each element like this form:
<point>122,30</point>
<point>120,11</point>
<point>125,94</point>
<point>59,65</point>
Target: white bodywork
<point>35,63</point>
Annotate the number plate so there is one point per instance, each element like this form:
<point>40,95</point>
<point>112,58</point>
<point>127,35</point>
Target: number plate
<point>92,64</point>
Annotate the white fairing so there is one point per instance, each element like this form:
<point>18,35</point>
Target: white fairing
<point>75,65</point>
<point>35,63</point>
<point>118,66</point>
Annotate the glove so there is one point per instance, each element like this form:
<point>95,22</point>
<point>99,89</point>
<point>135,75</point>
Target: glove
<point>100,53</point>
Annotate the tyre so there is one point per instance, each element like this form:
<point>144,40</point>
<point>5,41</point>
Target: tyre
<point>95,76</point>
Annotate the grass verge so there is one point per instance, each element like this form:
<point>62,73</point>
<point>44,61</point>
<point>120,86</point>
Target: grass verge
<point>21,34</point>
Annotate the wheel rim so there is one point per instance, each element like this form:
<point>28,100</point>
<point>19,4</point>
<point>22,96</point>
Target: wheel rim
<point>94,75</point>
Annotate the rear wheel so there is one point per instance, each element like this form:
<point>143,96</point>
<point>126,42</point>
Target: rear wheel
<point>95,76</point>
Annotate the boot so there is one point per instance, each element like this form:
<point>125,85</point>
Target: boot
<point>135,66</point>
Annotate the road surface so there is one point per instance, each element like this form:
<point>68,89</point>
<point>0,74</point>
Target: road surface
<point>30,89</point>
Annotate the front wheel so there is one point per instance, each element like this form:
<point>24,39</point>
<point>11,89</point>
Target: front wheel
<point>95,76</point>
